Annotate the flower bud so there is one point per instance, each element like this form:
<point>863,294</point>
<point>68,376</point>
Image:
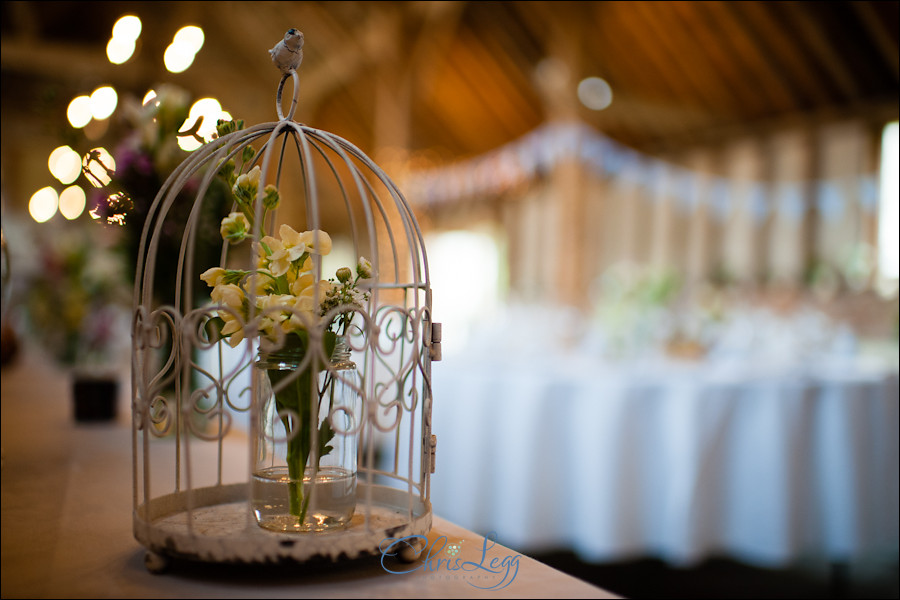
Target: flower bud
<point>253,176</point>
<point>272,198</point>
<point>224,127</point>
<point>344,274</point>
<point>227,172</point>
<point>364,268</point>
<point>235,227</point>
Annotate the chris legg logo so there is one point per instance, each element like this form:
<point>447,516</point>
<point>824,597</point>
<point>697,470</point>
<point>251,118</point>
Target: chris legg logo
<point>441,555</point>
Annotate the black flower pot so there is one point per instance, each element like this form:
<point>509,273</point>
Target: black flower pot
<point>95,398</point>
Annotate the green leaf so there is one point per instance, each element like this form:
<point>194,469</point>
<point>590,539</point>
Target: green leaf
<point>213,329</point>
<point>326,434</point>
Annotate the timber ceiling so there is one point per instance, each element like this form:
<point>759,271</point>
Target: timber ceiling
<point>456,79</point>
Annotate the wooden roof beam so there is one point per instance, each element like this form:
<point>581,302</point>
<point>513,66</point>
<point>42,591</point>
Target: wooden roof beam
<point>772,80</point>
<point>804,18</point>
<point>782,50</point>
<point>876,28</point>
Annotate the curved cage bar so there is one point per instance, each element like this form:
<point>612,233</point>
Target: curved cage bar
<point>194,395</point>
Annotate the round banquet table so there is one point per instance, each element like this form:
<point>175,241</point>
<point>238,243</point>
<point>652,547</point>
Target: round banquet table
<point>767,463</point>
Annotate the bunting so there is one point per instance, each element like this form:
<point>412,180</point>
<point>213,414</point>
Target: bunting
<point>540,151</point>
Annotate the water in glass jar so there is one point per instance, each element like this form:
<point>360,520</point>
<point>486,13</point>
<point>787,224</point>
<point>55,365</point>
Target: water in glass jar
<point>332,507</point>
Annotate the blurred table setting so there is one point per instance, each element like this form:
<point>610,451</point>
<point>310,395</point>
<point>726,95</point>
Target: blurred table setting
<point>766,436</point>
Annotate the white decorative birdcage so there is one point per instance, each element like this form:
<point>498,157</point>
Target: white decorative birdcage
<point>194,391</point>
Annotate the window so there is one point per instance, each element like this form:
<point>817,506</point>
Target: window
<point>889,215</point>
<point>465,273</point>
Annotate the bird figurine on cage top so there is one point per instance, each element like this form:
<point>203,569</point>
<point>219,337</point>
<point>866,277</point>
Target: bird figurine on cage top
<point>288,53</point>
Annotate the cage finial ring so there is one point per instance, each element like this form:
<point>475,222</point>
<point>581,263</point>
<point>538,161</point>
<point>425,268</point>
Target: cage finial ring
<point>278,101</point>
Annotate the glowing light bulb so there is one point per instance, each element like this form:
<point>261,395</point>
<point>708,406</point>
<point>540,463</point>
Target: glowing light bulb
<point>190,37</point>
<point>64,164</point>
<point>127,28</point>
<point>79,111</point>
<point>43,204</point>
<point>177,58</point>
<point>103,102</point>
<point>119,50</point>
<point>72,201</point>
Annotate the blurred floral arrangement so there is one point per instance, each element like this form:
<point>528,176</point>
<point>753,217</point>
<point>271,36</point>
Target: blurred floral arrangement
<point>75,298</point>
<point>630,306</point>
<point>148,153</point>
<point>637,309</point>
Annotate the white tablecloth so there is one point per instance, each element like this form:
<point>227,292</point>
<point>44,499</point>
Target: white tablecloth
<point>682,461</point>
<point>67,524</point>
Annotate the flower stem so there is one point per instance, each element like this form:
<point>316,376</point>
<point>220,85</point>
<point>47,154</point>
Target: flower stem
<point>297,399</point>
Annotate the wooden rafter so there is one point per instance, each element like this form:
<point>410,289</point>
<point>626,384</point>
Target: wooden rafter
<point>878,30</point>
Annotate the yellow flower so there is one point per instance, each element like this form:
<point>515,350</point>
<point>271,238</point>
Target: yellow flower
<point>274,302</point>
<point>302,318</point>
<point>305,303</point>
<point>279,259</point>
<point>292,241</point>
<point>232,328</point>
<point>303,281</point>
<point>267,327</point>
<point>316,292</point>
<point>213,276</point>
<point>229,295</point>
<point>316,242</point>
<point>259,282</point>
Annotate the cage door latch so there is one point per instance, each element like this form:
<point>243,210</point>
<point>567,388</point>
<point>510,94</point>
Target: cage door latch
<point>432,451</point>
<point>435,342</point>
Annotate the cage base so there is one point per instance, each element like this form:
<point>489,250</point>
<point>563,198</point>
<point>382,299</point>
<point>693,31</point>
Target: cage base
<point>221,528</point>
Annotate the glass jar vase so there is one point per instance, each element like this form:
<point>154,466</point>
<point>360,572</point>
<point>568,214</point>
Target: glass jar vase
<point>304,477</point>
